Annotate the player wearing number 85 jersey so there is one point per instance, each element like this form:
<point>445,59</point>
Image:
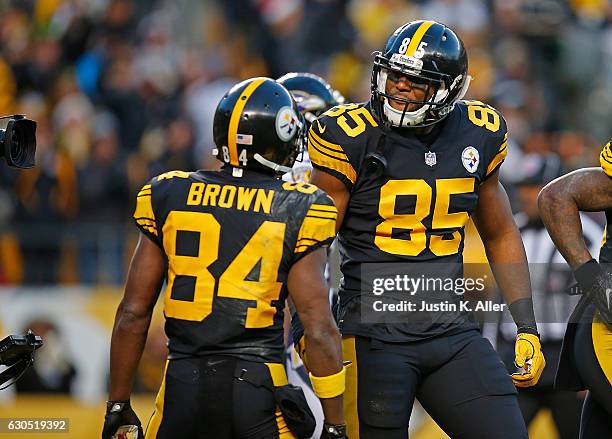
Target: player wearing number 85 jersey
<point>231,245</point>
<point>406,172</point>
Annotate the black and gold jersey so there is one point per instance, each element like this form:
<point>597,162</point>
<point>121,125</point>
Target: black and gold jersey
<point>416,209</point>
<point>230,243</point>
<point>605,253</point>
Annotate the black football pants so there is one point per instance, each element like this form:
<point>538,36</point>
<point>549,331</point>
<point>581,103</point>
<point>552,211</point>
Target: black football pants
<point>459,379</point>
<point>201,398</point>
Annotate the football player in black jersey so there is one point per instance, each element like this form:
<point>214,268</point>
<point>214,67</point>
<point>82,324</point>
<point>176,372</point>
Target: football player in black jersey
<point>586,356</point>
<point>230,246</point>
<point>406,171</point>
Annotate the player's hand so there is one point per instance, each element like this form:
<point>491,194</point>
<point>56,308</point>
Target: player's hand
<point>596,284</point>
<point>529,357</point>
<point>119,413</point>
<point>600,292</point>
<point>334,431</point>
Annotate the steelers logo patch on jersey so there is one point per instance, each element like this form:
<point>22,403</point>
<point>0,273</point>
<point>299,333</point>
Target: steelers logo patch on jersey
<point>470,159</point>
<point>286,123</point>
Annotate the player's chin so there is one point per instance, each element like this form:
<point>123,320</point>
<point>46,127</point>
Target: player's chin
<point>401,106</point>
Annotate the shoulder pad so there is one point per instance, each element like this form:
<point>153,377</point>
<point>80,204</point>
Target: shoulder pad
<point>336,140</point>
<point>145,212</point>
<point>493,130</point>
<point>318,227</point>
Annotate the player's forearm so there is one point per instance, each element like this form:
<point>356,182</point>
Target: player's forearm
<point>324,349</point>
<point>506,254</point>
<point>127,343</point>
<point>560,213</point>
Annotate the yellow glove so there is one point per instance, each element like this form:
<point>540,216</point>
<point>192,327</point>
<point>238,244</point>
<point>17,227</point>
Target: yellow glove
<point>529,357</point>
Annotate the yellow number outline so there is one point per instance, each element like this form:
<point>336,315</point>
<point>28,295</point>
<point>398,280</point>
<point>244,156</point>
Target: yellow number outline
<point>266,245</point>
<point>413,222</point>
<point>478,114</point>
<point>359,116</point>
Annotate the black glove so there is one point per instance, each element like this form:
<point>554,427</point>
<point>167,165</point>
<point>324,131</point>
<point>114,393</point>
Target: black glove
<point>596,284</point>
<point>334,431</point>
<point>119,413</point>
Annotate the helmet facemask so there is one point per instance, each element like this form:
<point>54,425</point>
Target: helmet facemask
<point>440,93</point>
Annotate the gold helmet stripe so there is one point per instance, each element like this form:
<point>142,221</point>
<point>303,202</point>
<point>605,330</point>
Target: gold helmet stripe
<point>417,37</point>
<point>235,118</point>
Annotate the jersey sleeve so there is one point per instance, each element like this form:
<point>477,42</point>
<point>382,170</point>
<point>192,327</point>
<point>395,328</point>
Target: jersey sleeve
<point>318,227</point>
<point>144,215</point>
<point>497,145</point>
<point>605,159</point>
<point>331,151</point>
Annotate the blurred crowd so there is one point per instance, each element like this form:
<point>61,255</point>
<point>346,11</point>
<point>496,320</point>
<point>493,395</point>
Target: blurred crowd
<point>126,89</point>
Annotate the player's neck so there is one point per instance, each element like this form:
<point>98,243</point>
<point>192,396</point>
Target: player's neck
<point>425,134</point>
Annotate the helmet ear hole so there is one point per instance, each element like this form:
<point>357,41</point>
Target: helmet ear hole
<point>255,126</point>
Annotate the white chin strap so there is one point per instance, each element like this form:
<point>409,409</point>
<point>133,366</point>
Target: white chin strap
<point>411,118</point>
<point>267,163</point>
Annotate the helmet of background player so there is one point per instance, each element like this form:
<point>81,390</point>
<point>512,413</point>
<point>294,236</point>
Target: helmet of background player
<point>430,57</point>
<point>313,94</point>
<point>257,125</point>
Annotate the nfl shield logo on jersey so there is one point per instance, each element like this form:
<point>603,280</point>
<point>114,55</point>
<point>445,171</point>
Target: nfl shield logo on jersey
<point>430,158</point>
<point>470,159</point>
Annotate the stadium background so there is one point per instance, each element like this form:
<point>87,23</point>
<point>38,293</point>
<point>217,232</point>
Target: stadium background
<point>125,89</point>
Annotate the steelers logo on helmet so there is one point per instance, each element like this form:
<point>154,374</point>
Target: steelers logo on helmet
<point>287,123</point>
<point>256,126</point>
<point>470,159</point>
<point>419,75</point>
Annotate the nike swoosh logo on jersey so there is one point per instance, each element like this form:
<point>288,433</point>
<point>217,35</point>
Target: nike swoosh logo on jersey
<point>321,128</point>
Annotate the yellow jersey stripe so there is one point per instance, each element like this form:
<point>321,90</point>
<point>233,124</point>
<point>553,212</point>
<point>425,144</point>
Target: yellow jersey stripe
<point>325,143</point>
<point>342,166</point>
<point>330,152</point>
<point>322,215</point>
<point>417,37</point>
<point>235,118</point>
<point>333,155</point>
<point>500,157</point>
<point>324,207</point>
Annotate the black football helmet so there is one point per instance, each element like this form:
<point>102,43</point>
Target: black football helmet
<point>313,94</point>
<point>257,125</point>
<point>433,57</point>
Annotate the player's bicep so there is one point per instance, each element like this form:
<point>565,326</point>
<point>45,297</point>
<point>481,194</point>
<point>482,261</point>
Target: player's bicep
<point>335,188</point>
<point>308,287</point>
<point>145,277</point>
<point>493,213</point>
<point>590,189</point>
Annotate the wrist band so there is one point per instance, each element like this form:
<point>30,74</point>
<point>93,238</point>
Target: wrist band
<point>586,273</point>
<point>329,386</point>
<point>522,313</point>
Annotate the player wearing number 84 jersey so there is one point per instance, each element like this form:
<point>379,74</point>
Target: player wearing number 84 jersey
<point>406,171</point>
<point>231,246</point>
